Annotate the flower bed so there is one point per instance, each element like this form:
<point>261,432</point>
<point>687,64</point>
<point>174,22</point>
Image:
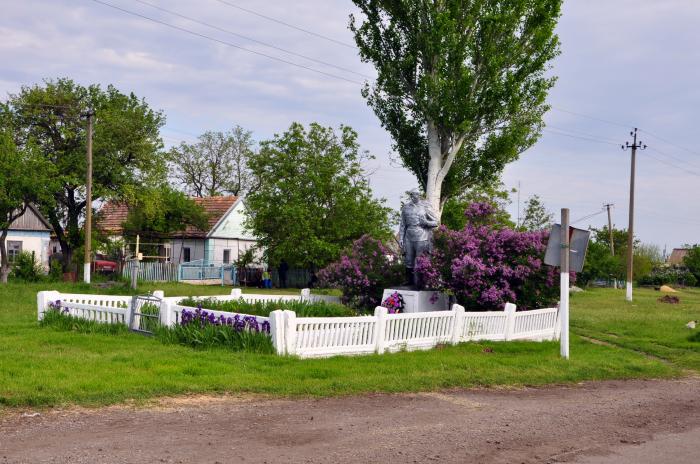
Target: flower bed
<point>263,308</point>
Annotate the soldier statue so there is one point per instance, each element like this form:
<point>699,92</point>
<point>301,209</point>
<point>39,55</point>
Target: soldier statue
<point>416,232</point>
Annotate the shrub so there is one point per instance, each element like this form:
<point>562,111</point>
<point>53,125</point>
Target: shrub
<point>668,275</point>
<point>59,319</point>
<point>263,308</point>
<point>363,272</point>
<point>202,329</point>
<point>27,268</point>
<point>486,266</point>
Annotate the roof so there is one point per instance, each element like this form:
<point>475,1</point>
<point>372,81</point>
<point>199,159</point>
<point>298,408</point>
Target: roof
<point>31,220</point>
<point>677,256</point>
<point>113,214</point>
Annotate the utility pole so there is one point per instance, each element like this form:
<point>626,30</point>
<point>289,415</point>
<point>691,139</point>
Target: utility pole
<point>630,229</point>
<point>610,231</point>
<point>88,200</point>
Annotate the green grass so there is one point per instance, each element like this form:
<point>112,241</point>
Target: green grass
<point>47,367</point>
<point>645,324</point>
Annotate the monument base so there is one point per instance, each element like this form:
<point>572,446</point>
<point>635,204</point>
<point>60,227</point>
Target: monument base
<point>420,301</point>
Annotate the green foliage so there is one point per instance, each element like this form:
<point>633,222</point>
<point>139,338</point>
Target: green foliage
<point>453,213</point>
<point>662,275</point>
<point>536,217</point>
<point>55,271</point>
<point>60,321</point>
<point>27,268</point>
<point>692,261</point>
<point>263,308</point>
<point>216,336</point>
<point>157,212</point>
<point>126,148</point>
<point>216,164</point>
<point>313,198</point>
<point>599,264</point>
<point>460,83</point>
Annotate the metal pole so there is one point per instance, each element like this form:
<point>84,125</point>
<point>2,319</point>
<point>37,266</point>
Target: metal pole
<point>564,279</point>
<point>88,202</point>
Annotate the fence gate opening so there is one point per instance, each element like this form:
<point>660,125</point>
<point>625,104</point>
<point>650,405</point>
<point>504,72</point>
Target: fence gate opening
<point>145,314</point>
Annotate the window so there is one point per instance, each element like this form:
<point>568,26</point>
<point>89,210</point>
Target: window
<point>186,254</point>
<point>227,256</point>
<point>13,250</point>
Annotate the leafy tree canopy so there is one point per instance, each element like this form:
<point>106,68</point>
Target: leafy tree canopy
<point>216,164</point>
<point>127,149</point>
<point>536,216</point>
<point>496,195</point>
<point>313,198</point>
<point>461,85</point>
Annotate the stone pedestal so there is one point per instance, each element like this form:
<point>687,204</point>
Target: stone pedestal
<point>420,301</point>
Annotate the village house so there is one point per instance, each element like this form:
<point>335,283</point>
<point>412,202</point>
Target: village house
<point>30,232</point>
<point>224,240</point>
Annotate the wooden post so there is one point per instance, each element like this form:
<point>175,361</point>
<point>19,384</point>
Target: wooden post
<point>564,290</point>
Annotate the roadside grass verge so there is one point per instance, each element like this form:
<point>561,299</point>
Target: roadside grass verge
<point>643,325</point>
<point>45,367</point>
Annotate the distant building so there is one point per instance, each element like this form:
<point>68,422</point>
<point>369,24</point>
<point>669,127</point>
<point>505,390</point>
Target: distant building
<point>30,232</point>
<point>222,242</point>
<point>677,256</point>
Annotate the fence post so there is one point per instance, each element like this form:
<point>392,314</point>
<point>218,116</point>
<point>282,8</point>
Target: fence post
<point>305,294</point>
<point>236,293</point>
<point>277,331</point>
<point>510,321</point>
<point>290,331</point>
<point>458,320</point>
<point>379,329</point>
<point>557,324</point>
<point>166,318</point>
<point>43,298</point>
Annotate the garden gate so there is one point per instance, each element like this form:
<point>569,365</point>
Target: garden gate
<point>145,313</point>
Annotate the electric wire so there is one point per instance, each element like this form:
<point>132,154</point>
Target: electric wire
<point>260,42</point>
<point>224,42</point>
<point>279,21</point>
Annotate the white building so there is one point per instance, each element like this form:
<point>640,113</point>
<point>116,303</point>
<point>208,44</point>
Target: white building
<point>30,232</point>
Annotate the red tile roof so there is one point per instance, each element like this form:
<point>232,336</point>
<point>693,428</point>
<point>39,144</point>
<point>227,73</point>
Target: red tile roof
<point>113,214</point>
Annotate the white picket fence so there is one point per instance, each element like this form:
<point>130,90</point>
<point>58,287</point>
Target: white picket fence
<point>153,271</point>
<point>309,337</point>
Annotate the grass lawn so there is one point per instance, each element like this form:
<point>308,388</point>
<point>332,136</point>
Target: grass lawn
<point>47,367</point>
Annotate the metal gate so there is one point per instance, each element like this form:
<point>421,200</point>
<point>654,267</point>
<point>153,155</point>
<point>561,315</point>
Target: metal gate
<point>145,313</point>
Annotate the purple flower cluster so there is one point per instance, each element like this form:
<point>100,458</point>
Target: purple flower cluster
<point>394,303</point>
<point>486,267</point>
<point>363,272</point>
<point>238,322</point>
<point>56,306</point>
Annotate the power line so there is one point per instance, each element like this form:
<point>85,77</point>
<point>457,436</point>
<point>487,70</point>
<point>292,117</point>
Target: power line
<point>673,165</point>
<point>675,158</point>
<point>670,143</point>
<point>589,216</point>
<point>223,42</point>
<point>228,31</point>
<point>577,132</point>
<point>279,21</point>
<point>594,118</point>
<point>589,139</point>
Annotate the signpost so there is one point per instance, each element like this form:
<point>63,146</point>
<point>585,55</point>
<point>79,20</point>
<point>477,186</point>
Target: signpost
<point>566,248</point>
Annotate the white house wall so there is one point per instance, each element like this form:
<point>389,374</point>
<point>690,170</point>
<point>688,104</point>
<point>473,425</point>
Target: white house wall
<point>32,241</point>
<point>216,247</point>
<point>197,249</point>
<point>231,225</point>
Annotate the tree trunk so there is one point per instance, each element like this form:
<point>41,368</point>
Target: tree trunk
<point>4,264</point>
<point>433,184</point>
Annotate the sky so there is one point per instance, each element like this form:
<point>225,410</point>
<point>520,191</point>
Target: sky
<point>624,64</point>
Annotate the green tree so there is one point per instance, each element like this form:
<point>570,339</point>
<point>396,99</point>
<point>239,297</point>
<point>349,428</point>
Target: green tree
<point>126,149</point>
<point>692,260</point>
<point>313,198</point>
<point>24,178</point>
<point>461,85</point>
<point>216,164</point>
<point>536,216</point>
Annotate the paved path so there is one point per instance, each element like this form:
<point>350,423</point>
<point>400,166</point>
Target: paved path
<point>603,422</point>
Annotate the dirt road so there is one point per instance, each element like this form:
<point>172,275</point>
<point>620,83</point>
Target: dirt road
<point>632,421</point>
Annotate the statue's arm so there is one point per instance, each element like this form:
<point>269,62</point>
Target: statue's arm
<point>429,219</point>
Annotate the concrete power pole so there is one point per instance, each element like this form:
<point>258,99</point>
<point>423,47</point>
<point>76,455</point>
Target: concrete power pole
<point>88,200</point>
<point>630,229</point>
<point>610,234</point>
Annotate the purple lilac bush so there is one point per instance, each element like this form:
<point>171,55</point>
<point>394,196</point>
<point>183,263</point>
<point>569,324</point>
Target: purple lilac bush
<point>363,272</point>
<point>486,267</point>
<point>239,323</point>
